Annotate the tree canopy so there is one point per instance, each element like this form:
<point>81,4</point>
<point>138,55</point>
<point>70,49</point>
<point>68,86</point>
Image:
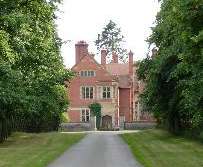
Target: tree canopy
<point>112,40</point>
<point>174,77</point>
<point>31,67</point>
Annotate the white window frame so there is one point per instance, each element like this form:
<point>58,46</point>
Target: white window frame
<point>85,115</point>
<point>86,93</point>
<point>106,92</point>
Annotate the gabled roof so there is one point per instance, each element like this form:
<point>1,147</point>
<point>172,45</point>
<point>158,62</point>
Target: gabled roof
<point>117,69</point>
<point>117,72</point>
<point>78,62</point>
<point>98,65</point>
<point>91,57</point>
<point>122,72</point>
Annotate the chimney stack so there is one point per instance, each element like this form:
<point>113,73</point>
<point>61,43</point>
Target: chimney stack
<point>115,57</point>
<point>81,50</point>
<point>103,56</point>
<point>130,54</point>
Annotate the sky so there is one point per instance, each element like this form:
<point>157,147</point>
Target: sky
<point>84,19</point>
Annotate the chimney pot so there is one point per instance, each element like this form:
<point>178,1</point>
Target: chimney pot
<point>130,62</point>
<point>115,57</point>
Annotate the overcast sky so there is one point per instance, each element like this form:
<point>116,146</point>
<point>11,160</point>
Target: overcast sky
<point>84,19</point>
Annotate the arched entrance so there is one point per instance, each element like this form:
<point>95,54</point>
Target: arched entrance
<point>107,122</point>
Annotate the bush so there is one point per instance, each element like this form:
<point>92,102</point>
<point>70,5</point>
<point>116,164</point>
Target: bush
<point>65,118</point>
<point>201,136</point>
<point>32,74</point>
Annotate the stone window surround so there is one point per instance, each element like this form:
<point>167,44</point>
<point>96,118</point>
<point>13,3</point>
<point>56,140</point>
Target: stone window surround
<point>87,73</point>
<point>98,92</point>
<point>84,114</point>
<point>106,92</point>
<point>87,95</point>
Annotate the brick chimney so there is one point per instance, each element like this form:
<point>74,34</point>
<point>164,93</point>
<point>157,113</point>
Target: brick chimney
<point>115,57</point>
<point>130,54</point>
<point>81,50</point>
<point>103,56</point>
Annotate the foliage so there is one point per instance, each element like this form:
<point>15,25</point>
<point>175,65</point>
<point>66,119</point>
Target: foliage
<point>174,77</point>
<point>95,109</point>
<point>65,118</point>
<point>112,40</point>
<point>32,95</point>
<point>35,150</point>
<point>158,148</point>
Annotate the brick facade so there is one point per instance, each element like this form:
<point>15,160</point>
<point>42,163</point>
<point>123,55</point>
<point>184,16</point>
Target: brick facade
<point>111,85</point>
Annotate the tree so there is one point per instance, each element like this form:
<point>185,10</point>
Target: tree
<point>95,108</point>
<point>32,92</point>
<point>112,40</point>
<point>174,77</point>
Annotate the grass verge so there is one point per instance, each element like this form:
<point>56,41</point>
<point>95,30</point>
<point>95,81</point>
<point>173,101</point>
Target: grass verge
<point>157,148</point>
<point>35,150</point>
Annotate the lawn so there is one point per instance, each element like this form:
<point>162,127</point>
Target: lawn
<point>157,148</point>
<point>34,150</point>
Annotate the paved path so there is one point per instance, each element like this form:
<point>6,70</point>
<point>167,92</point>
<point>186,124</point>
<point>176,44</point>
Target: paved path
<point>97,150</point>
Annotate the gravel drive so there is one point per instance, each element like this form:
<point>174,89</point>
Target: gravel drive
<point>98,150</point>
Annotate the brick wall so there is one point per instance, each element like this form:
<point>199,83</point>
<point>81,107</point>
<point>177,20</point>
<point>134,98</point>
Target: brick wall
<point>101,78</point>
<point>74,115</point>
<point>124,105</point>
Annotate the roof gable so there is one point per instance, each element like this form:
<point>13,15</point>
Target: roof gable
<point>89,63</point>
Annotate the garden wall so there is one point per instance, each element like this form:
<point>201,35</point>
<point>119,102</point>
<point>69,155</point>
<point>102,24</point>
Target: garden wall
<point>76,126</point>
<point>139,125</point>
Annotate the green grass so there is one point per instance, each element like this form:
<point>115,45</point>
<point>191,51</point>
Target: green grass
<point>157,148</point>
<point>35,150</point>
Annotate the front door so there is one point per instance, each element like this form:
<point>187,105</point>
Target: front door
<point>107,122</point>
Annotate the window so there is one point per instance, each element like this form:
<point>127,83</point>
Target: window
<point>81,73</point>
<point>106,92</point>
<point>85,115</point>
<point>87,73</point>
<point>87,92</point>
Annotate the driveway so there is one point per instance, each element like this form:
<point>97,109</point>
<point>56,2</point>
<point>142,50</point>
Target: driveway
<point>101,149</point>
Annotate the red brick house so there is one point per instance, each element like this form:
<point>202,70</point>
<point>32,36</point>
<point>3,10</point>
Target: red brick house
<point>112,85</point>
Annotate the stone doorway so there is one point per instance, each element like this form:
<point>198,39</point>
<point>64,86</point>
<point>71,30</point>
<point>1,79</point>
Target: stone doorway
<point>107,122</point>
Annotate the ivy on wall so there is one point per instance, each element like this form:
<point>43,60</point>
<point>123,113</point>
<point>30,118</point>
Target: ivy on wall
<point>95,109</point>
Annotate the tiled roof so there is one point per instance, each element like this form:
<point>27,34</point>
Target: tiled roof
<point>117,69</point>
<point>124,81</point>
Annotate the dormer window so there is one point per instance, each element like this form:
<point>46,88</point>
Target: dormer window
<point>87,73</point>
